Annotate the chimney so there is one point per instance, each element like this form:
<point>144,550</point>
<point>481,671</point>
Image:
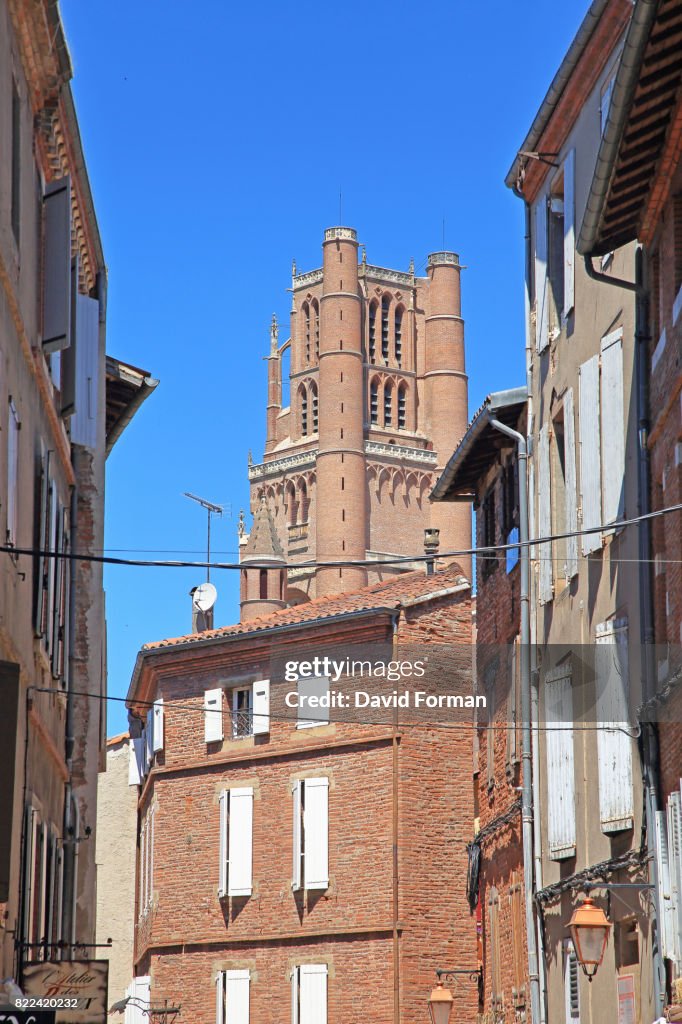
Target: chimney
<point>431,545</point>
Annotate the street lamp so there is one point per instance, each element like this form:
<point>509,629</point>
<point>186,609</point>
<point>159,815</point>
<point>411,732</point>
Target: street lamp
<point>589,928</point>
<point>440,1004</point>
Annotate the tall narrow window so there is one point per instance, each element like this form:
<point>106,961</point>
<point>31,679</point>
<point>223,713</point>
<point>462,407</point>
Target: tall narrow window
<point>316,316</point>
<point>399,335</point>
<point>372,331</point>
<point>304,410</point>
<point>402,406</point>
<point>232,997</point>
<point>313,394</point>
<point>263,584</point>
<point>311,834</point>
<point>388,405</point>
<point>309,994</point>
<point>306,330</point>
<point>16,162</point>
<point>374,401</point>
<point>385,303</point>
<point>235,871</point>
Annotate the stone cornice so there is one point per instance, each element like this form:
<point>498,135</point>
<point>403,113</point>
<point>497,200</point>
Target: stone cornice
<point>307,459</point>
<point>301,460</point>
<point>382,274</point>
<point>306,280</point>
<point>401,452</point>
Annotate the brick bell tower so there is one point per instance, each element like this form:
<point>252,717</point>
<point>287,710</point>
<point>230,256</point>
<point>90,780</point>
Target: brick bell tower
<point>377,404</point>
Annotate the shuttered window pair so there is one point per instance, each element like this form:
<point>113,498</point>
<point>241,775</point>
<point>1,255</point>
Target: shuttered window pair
<point>614,742</point>
<point>557,499</point>
<point>247,717</point>
<point>43,882</point>
<point>308,995</point>
<point>669,863</point>
<point>554,213</point>
<point>143,748</point>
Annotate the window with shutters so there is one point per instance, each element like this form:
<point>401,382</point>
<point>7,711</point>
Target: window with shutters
<point>235,875</point>
<point>56,275</point>
<point>494,950</point>
<point>242,711</point>
<point>309,994</point>
<point>560,774</point>
<point>310,833</point>
<point>146,862</point>
<point>213,715</point>
<point>571,984</point>
<point>232,997</point>
<point>614,742</point>
<point>516,913</point>
<point>13,430</point>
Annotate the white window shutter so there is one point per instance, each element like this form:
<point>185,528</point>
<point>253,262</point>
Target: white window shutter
<point>224,801</point>
<point>56,333</point>
<point>666,924</point>
<point>297,835</point>
<point>149,737</point>
<point>569,232</point>
<point>560,764</point>
<point>84,420</point>
<point>612,426</point>
<point>220,998</point>
<point>158,725</point>
<point>237,997</point>
<point>261,707</point>
<point>590,453</point>
<point>544,551</point>
<point>313,994</point>
<point>213,715</point>
<point>134,777</point>
<point>316,833</point>
<point>571,984</point>
<point>571,487</point>
<point>614,745</point>
<point>140,755</point>
<point>12,472</point>
<point>240,842</point>
<point>541,309</point>
<point>675,858</point>
<point>295,979</point>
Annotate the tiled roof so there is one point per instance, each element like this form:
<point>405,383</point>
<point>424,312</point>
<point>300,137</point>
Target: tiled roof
<point>113,740</point>
<point>391,594</point>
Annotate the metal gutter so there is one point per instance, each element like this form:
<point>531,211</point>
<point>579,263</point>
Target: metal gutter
<point>558,84</point>
<point>624,87</point>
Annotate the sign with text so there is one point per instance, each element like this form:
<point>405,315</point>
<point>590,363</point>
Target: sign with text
<point>75,989</point>
<point>15,1016</point>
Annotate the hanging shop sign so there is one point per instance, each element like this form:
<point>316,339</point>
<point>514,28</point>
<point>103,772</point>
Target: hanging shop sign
<point>75,989</point>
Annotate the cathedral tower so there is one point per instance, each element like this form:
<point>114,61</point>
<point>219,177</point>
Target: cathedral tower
<point>378,402</point>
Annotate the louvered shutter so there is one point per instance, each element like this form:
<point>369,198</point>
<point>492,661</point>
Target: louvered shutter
<point>571,984</point>
<point>85,416</point>
<point>59,570</point>
<point>240,842</point>
<point>544,551</point>
<point>316,833</point>
<point>41,561</point>
<point>590,453</point>
<point>571,487</point>
<point>612,426</point>
<point>64,637</point>
<point>666,924</point>
<point>560,763</point>
<point>12,472</point>
<point>516,908</point>
<point>675,858</point>
<point>541,307</point>
<point>261,707</point>
<point>134,777</point>
<point>224,801</point>
<point>237,997</point>
<point>51,566</point>
<point>297,791</point>
<point>213,716</point>
<point>569,232</point>
<point>56,332</point>
<point>494,951</point>
<point>157,743</point>
<point>614,745</point>
<point>312,994</point>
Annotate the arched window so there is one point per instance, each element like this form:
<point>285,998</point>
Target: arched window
<point>306,330</point>
<point>292,505</point>
<point>388,405</point>
<point>398,323</point>
<point>303,502</point>
<point>313,396</point>
<point>372,330</point>
<point>402,406</point>
<point>263,584</point>
<point>385,303</point>
<point>303,392</point>
<point>374,401</point>
<point>316,317</point>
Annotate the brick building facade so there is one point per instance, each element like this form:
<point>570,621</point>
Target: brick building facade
<point>375,357</point>
<point>293,868</point>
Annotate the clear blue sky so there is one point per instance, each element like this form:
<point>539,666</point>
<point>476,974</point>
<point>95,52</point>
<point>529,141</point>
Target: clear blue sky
<point>217,137</point>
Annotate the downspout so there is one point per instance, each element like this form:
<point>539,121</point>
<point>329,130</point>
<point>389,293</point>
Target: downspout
<point>394,839</point>
<point>69,867</point>
<point>650,775</point>
<point>526,752</point>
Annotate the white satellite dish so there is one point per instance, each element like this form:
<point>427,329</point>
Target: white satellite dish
<point>204,597</point>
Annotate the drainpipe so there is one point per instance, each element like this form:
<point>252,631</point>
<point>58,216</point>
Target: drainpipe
<point>70,831</point>
<point>394,839</point>
<point>526,752</point>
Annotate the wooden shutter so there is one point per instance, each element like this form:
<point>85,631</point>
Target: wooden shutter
<point>612,426</point>
<point>569,232</point>
<point>134,777</point>
<point>224,801</point>
<point>149,737</point>
<point>494,950</point>
<point>666,923</point>
<point>157,741</point>
<point>51,566</point>
<point>12,472</point>
<point>56,608</point>
<point>541,307</point>
<point>316,833</point>
<point>240,842</point>
<point>560,763</point>
<point>571,984</point>
<point>213,715</point>
<point>571,486</point>
<point>614,745</point>
<point>41,536</point>
<point>544,551</point>
<point>674,810</point>
<point>84,420</point>
<point>516,907</point>
<point>56,332</point>
<point>64,631</point>
<point>312,994</point>
<point>590,453</point>
<point>67,376</point>
<point>297,793</point>
<point>236,997</point>
<point>261,707</point>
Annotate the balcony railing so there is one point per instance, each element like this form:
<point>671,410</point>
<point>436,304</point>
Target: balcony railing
<point>242,724</point>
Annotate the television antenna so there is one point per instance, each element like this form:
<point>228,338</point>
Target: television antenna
<point>212,510</point>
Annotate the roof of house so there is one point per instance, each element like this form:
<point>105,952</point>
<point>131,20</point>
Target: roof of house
<point>126,389</point>
<point>641,130</point>
<point>401,591</point>
<point>479,446</point>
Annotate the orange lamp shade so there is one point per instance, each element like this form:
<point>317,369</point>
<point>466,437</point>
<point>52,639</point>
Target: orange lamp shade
<point>440,1004</point>
<point>589,928</point>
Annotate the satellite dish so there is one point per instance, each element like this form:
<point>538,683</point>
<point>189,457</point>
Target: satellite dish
<point>204,597</point>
